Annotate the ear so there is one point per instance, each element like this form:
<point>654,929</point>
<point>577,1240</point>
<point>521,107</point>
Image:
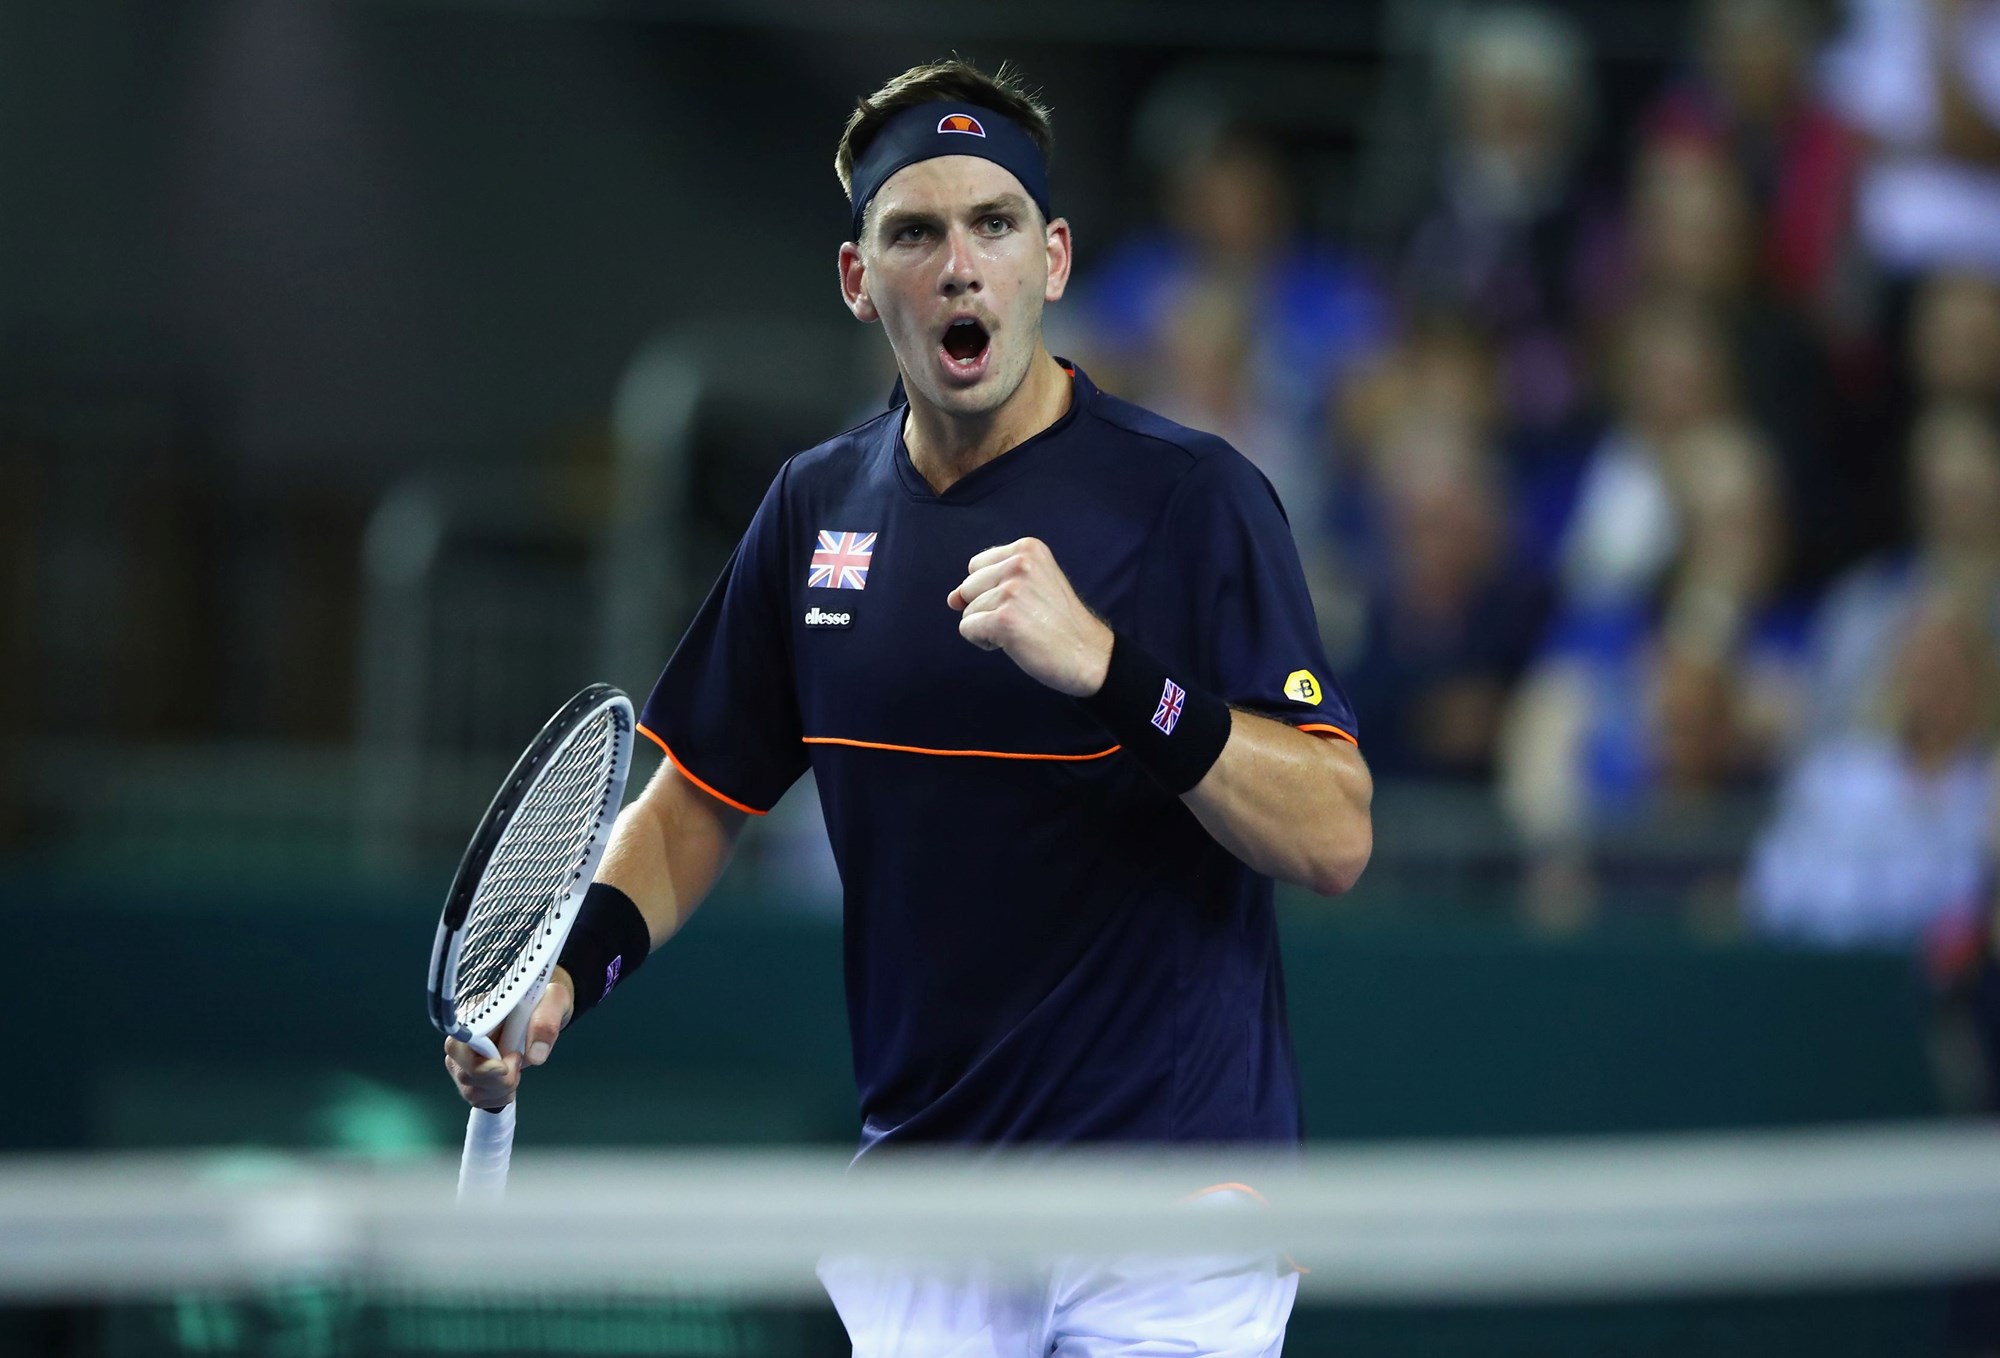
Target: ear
<point>854,284</point>
<point>1058,243</point>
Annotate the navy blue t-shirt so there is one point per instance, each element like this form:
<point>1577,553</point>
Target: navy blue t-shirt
<point>1042,944</point>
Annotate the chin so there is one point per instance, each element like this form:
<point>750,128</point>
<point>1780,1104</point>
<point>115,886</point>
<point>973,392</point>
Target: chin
<point>986,396</point>
<point>983,399</point>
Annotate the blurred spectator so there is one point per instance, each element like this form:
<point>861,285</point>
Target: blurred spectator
<point>1506,233</point>
<point>1954,338</point>
<point>1751,98</point>
<point>1230,295</point>
<point>1945,331</point>
<point>1441,366</point>
<point>1921,80</point>
<point>1955,508</point>
<point>1693,241</point>
<point>1670,375</point>
<point>1883,835</point>
<point>1441,373</point>
<point>1672,695</point>
<point>1692,225</point>
<point>1450,622</point>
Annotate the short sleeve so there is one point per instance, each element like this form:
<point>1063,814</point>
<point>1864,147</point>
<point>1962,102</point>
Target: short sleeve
<point>726,709</point>
<point>1230,599</point>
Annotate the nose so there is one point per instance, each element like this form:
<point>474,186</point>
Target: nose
<point>961,264</point>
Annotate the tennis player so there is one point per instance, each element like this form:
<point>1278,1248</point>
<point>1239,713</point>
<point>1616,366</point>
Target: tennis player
<point>1052,661</point>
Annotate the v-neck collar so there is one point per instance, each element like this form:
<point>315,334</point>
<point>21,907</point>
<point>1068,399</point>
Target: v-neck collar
<point>995,472</point>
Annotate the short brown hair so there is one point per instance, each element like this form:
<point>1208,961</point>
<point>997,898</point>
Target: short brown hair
<point>955,81</point>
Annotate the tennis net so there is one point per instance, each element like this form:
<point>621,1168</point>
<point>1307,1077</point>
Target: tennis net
<point>678,1252</point>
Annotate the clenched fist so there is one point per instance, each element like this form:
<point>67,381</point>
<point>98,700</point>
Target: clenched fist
<point>1016,599</point>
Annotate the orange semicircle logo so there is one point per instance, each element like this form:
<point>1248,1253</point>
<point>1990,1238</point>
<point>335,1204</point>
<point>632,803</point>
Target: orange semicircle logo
<point>961,122</point>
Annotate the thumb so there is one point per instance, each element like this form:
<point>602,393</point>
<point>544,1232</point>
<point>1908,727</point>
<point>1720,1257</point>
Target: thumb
<point>550,1017</point>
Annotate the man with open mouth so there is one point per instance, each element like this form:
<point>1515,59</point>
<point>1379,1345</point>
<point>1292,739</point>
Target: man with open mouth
<point>1053,665</point>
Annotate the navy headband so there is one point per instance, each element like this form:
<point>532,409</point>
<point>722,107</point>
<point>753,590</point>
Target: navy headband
<point>931,130</point>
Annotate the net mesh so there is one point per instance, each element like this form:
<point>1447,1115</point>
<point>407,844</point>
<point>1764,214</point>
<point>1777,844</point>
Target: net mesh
<point>539,857</point>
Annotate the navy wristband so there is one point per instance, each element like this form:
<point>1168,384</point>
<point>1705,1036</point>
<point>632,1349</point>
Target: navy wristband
<point>1173,729</point>
<point>608,942</point>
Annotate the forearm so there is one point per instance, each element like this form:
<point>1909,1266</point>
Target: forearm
<point>1289,804</point>
<point>667,850</point>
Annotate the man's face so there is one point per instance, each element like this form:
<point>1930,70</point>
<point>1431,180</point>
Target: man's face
<point>957,266</point>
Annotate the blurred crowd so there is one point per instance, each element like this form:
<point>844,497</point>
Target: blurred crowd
<point>1651,461</point>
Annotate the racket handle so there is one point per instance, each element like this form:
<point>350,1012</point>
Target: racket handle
<point>489,1145</point>
<point>489,1137</point>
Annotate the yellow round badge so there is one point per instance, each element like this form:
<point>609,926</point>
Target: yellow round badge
<point>1301,687</point>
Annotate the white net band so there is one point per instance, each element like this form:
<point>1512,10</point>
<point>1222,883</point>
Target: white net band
<point>1556,1221</point>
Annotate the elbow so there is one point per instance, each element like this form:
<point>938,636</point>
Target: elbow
<point>1339,865</point>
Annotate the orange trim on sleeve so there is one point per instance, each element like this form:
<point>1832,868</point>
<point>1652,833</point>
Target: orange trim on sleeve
<point>1332,731</point>
<point>962,754</point>
<point>730,801</point>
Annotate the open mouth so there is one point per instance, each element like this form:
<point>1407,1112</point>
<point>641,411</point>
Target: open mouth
<point>965,341</point>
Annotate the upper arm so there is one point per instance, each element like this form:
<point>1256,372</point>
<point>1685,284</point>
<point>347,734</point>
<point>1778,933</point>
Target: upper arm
<point>687,817</point>
<point>1236,603</point>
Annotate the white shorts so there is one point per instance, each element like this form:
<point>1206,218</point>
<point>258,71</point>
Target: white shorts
<point>1211,1307</point>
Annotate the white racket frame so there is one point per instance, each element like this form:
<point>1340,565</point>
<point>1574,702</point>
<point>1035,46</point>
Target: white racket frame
<point>489,1135</point>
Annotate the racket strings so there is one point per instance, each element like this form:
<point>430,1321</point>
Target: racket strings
<point>535,863</point>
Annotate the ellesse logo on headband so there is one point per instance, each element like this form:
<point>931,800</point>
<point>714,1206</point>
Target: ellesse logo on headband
<point>961,122</point>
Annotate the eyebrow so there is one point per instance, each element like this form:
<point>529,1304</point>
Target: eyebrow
<point>1006,202</point>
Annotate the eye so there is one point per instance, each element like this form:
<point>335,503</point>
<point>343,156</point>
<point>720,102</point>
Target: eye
<point>997,225</point>
<point>912,232</point>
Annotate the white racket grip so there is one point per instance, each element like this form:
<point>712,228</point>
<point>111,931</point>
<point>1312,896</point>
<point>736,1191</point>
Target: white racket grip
<point>489,1137</point>
<point>489,1145</point>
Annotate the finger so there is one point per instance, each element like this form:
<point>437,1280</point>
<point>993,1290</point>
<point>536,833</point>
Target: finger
<point>990,600</point>
<point>983,580</point>
<point>492,1095</point>
<point>547,1024</point>
<point>487,1088</point>
<point>1000,553</point>
<point>467,1064</point>
<point>462,1057</point>
<point>983,629</point>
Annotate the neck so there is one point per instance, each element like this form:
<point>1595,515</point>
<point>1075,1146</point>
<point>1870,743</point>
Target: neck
<point>945,447</point>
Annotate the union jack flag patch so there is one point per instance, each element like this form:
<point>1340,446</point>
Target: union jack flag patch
<point>1171,699</point>
<point>840,561</point>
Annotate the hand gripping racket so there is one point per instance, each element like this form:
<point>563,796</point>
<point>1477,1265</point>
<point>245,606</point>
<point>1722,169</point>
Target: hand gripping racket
<point>516,894</point>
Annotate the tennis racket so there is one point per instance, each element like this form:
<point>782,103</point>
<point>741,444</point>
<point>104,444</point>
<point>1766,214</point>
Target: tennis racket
<point>516,894</point>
